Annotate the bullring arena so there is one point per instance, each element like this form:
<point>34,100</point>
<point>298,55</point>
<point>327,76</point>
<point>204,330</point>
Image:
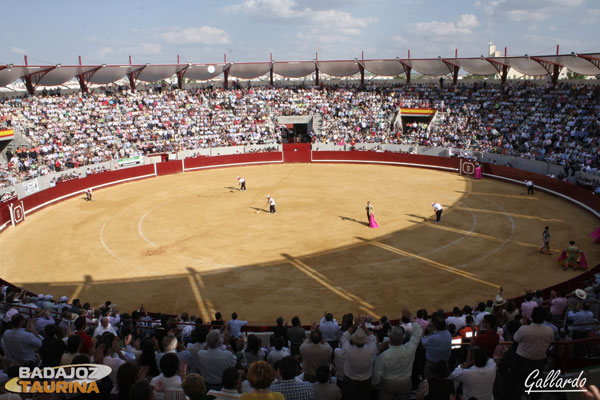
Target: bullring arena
<point>195,239</point>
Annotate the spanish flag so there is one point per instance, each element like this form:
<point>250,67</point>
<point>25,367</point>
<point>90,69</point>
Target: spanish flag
<point>6,134</point>
<point>417,112</point>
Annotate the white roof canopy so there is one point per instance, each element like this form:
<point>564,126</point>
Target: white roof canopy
<point>53,75</point>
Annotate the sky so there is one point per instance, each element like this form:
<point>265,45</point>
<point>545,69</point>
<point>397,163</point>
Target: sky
<point>152,31</point>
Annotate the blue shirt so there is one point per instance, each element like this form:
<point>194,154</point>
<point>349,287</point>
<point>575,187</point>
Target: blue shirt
<point>438,346</point>
<point>235,327</point>
<point>20,345</point>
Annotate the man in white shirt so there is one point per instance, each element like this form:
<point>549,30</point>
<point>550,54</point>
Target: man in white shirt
<point>393,367</point>
<point>438,211</point>
<point>271,204</point>
<point>477,376</point>
<point>235,326</point>
<point>168,380</point>
<point>104,326</point>
<point>456,319</point>
<point>242,182</point>
<point>330,329</point>
<point>529,185</point>
<point>360,349</point>
<point>534,340</point>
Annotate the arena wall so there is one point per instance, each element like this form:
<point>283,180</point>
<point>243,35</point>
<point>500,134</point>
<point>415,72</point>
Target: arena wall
<point>296,152</point>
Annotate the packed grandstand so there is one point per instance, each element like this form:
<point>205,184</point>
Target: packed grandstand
<point>428,355</point>
<point>557,124</point>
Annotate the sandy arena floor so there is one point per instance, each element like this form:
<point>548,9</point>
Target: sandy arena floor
<point>193,242</point>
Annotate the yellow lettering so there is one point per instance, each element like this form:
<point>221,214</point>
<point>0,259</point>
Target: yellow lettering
<point>61,387</point>
<point>24,386</point>
<point>49,387</point>
<point>36,387</point>
<point>78,387</point>
<point>93,387</point>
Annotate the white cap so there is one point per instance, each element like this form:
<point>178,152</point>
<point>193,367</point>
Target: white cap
<point>48,297</point>
<point>63,299</point>
<point>40,296</point>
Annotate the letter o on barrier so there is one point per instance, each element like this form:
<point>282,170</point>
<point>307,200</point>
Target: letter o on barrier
<point>467,168</point>
<point>18,213</point>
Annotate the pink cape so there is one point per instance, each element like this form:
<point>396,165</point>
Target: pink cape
<point>596,235</point>
<point>477,174</point>
<point>372,222</point>
<point>581,262</point>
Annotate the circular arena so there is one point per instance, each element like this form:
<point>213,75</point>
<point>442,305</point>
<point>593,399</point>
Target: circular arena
<point>197,240</point>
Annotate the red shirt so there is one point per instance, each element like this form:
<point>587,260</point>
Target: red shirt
<point>87,343</point>
<point>487,340</point>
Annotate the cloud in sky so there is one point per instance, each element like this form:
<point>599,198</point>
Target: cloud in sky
<point>319,28</point>
<point>527,10</point>
<point>592,16</point>
<point>18,50</point>
<point>197,35</point>
<point>463,25</point>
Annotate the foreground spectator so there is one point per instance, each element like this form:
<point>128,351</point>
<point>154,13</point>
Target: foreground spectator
<point>315,353</point>
<point>477,376</point>
<point>168,380</point>
<point>533,343</point>
<point>232,385</point>
<point>438,386</point>
<point>438,345</point>
<point>360,349</point>
<point>214,360</point>
<point>324,389</point>
<point>261,375</point>
<point>393,367</point>
<point>287,384</point>
<point>194,388</point>
<point>21,342</point>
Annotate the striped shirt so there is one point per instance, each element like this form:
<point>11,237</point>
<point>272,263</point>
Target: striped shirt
<point>293,390</point>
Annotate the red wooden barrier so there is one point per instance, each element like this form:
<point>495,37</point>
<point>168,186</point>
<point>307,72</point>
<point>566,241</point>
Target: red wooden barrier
<point>231,160</point>
<point>74,187</point>
<point>296,152</point>
<point>169,167</point>
<point>365,156</point>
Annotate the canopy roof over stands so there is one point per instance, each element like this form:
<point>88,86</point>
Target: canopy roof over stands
<point>54,75</point>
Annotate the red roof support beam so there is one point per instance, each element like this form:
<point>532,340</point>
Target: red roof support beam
<point>504,68</point>
<point>455,69</point>
<point>408,69</point>
<point>82,83</point>
<point>28,82</point>
<point>180,75</point>
<point>32,80</point>
<point>592,59</point>
<point>362,75</point>
<point>226,73</point>
<point>131,78</point>
<point>556,70</point>
<point>271,70</point>
<point>317,68</point>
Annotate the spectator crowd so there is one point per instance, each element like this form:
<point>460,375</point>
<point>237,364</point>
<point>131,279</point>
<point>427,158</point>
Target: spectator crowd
<point>483,352</point>
<point>558,124</point>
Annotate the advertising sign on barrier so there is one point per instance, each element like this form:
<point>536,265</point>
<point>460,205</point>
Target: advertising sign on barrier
<point>30,187</point>
<point>130,161</point>
<point>17,213</point>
